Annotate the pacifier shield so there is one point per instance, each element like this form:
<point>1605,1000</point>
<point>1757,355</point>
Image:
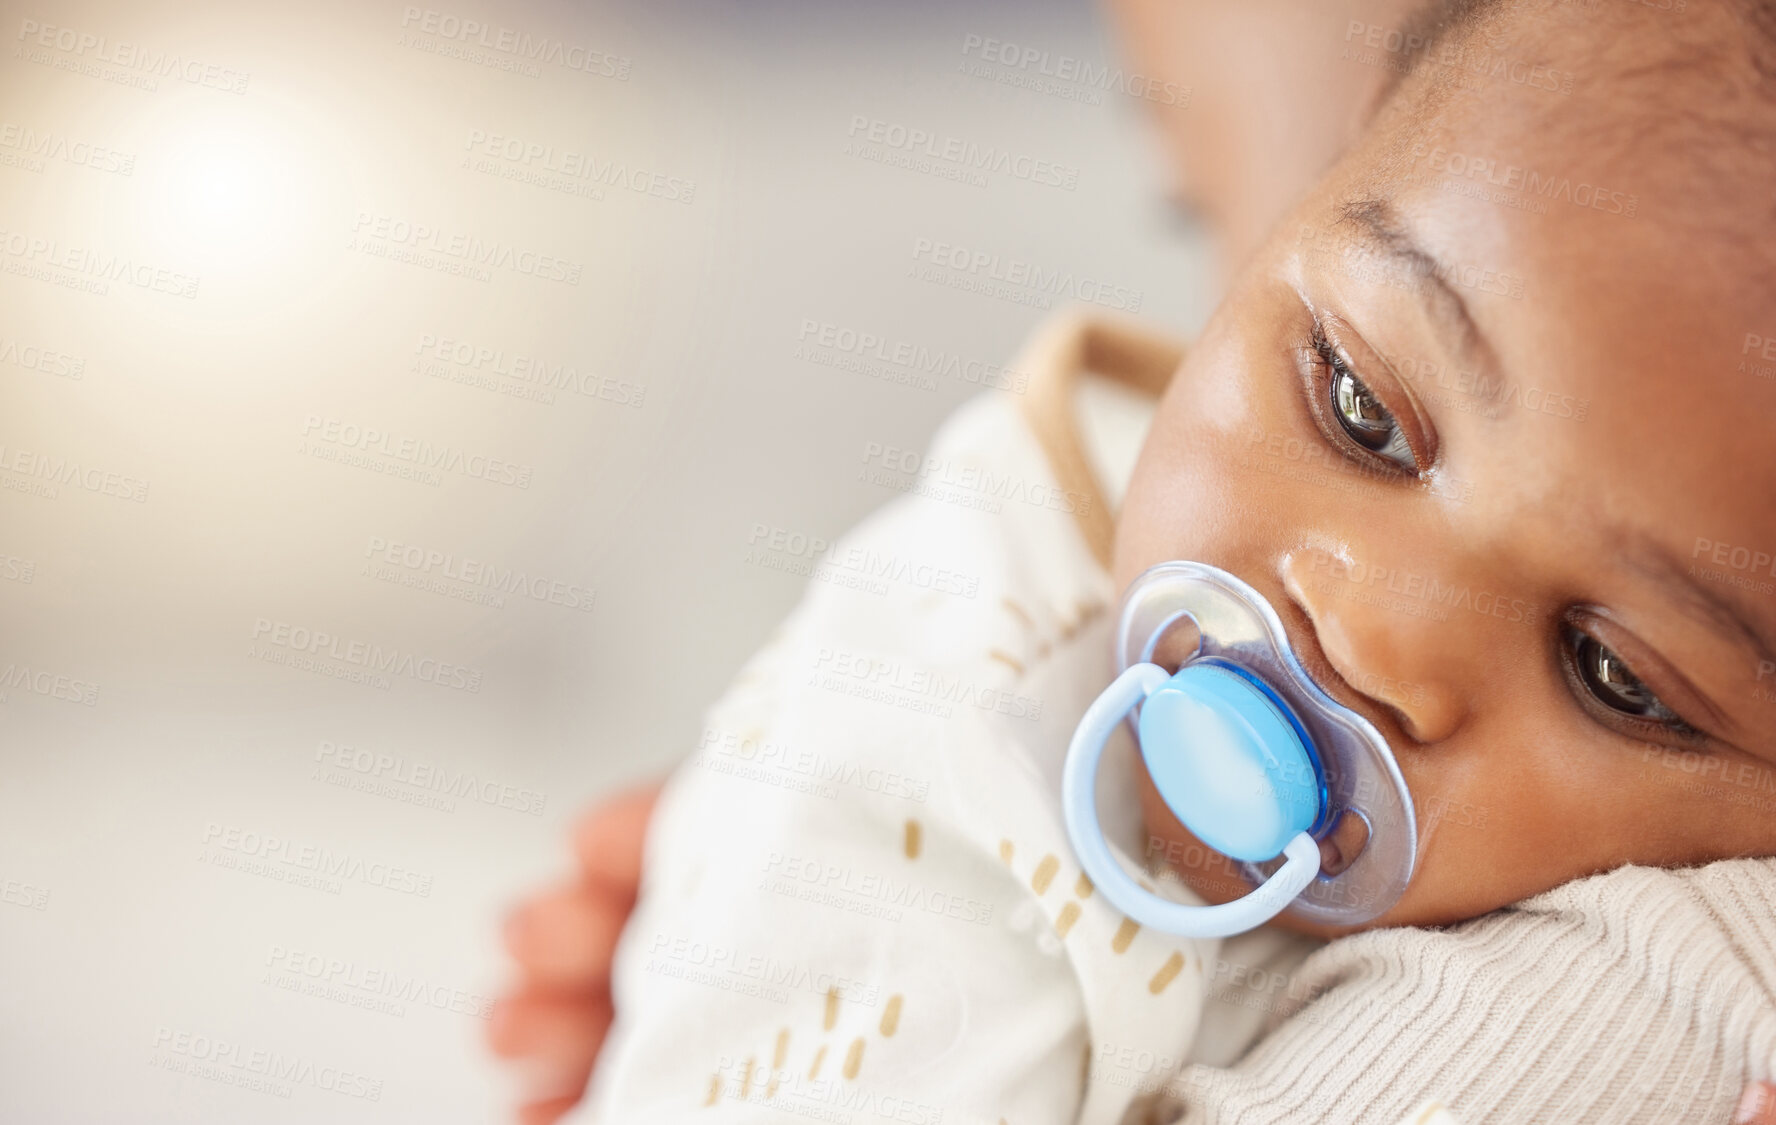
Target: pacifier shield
<point>1228,762</point>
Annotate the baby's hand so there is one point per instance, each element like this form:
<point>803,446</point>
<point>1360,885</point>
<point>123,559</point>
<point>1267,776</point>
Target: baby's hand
<point>1757,1106</point>
<point>553,1020</point>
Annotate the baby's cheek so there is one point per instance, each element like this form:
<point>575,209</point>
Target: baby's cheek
<point>1191,497</point>
<point>1707,805</point>
<point>1198,490</point>
<point>1508,817</point>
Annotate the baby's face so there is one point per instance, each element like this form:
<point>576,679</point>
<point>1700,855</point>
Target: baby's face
<point>1500,448</point>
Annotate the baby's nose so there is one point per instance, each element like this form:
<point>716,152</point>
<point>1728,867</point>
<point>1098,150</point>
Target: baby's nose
<point>1384,644</point>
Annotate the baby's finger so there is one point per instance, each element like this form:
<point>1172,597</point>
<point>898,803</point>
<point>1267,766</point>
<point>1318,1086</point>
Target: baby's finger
<point>1757,1106</point>
<point>548,1111</point>
<point>564,939</point>
<point>608,840</point>
<point>555,1039</point>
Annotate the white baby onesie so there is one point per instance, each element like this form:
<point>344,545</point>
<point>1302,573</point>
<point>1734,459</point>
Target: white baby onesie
<point>859,900</point>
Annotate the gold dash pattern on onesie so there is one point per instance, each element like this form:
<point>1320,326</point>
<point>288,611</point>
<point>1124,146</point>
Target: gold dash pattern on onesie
<point>1064,922</point>
<point>891,1016</point>
<point>1018,612</point>
<point>1044,874</point>
<point>914,836</point>
<point>1006,659</point>
<point>1167,971</point>
<point>854,1057</point>
<point>1125,935</point>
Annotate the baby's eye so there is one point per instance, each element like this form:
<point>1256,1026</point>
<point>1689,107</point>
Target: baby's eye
<point>1360,414</point>
<point>1606,678</point>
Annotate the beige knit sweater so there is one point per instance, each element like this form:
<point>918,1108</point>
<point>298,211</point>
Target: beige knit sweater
<point>1639,995</point>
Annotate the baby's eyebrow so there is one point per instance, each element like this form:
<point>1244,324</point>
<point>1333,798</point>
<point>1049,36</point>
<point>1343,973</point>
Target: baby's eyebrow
<point>1657,563</point>
<point>1381,228</point>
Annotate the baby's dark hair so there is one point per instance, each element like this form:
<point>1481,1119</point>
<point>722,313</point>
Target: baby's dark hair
<point>1701,75</point>
<point>1438,23</point>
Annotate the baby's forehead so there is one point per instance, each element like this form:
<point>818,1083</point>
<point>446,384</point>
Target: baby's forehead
<point>1633,80</point>
<point>1629,328</point>
<point>1616,190</point>
<point>1594,207</point>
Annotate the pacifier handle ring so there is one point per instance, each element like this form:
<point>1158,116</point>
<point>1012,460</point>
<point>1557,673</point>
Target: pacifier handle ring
<point>1079,805</point>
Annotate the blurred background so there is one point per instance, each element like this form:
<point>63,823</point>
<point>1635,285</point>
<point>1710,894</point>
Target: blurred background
<point>407,419</point>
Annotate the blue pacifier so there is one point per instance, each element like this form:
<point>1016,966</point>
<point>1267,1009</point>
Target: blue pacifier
<point>1250,755</point>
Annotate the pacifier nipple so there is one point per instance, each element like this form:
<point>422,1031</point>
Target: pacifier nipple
<point>1232,764</point>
